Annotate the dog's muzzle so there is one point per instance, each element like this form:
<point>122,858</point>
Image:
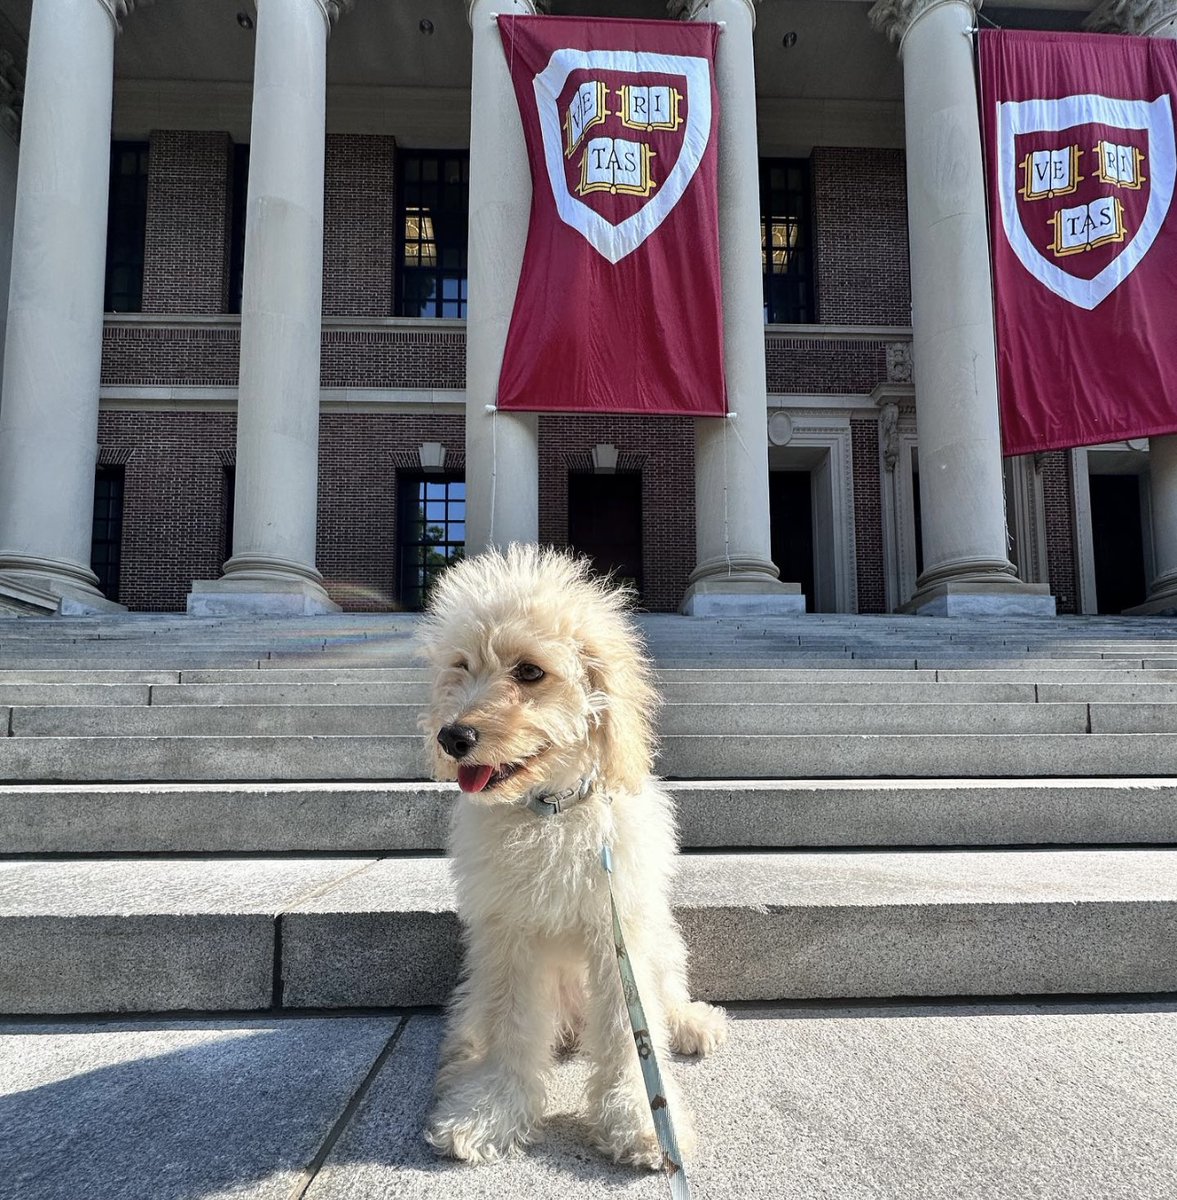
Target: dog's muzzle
<point>457,740</point>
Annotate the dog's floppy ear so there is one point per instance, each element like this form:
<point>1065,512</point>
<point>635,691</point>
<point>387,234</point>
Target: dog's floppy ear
<point>626,704</point>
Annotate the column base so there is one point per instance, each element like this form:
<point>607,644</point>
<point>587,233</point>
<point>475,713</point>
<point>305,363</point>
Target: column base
<point>45,593</point>
<point>749,589</point>
<point>235,596</point>
<point>999,596</point>
<point>1161,602</point>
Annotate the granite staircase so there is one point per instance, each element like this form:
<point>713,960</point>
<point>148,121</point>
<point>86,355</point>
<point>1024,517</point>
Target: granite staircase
<point>931,866</point>
<point>230,815</point>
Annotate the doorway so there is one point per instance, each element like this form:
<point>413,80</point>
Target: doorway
<point>1117,542</point>
<point>605,522</point>
<point>790,514</point>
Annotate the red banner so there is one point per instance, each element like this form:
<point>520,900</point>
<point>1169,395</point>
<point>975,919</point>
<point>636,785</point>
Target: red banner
<point>1079,136</point>
<point>619,306</point>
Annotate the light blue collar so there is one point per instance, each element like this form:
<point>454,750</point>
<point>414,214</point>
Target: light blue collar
<point>549,804</point>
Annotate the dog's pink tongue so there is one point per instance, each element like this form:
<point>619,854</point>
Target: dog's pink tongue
<point>474,779</point>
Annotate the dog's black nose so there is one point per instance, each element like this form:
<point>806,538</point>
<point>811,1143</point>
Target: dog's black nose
<point>458,740</point>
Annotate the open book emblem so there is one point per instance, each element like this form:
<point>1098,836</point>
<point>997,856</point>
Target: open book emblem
<point>1085,185</point>
<point>623,135</point>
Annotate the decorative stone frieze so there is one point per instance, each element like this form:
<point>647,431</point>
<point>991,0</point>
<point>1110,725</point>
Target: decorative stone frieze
<point>895,17</point>
<point>687,10</point>
<point>889,433</point>
<point>122,8</point>
<point>1145,18</point>
<point>899,365</point>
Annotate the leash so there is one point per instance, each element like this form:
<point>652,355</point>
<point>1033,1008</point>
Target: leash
<point>672,1162</point>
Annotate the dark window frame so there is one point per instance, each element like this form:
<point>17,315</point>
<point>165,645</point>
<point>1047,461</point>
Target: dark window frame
<point>635,480</point>
<point>412,535</point>
<point>412,166</point>
<point>106,537</point>
<point>238,198</point>
<point>229,481</point>
<point>126,227</point>
<point>788,294</point>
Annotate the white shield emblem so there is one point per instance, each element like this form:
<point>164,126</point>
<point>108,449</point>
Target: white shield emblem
<point>615,241</point>
<point>1015,118</point>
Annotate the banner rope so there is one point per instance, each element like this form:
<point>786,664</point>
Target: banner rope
<point>727,549</point>
<point>493,409</point>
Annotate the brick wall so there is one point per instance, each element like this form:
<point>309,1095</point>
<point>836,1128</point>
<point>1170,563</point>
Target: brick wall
<point>861,268</point>
<point>868,516</point>
<point>359,458</point>
<point>359,234</point>
<point>665,447</point>
<point>186,245</point>
<point>1060,530</point>
<point>136,355</point>
<point>173,501</point>
<point>816,366</point>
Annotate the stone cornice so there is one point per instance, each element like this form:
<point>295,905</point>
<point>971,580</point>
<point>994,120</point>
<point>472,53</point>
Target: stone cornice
<point>522,8</point>
<point>117,9</point>
<point>332,10</point>
<point>1141,17</point>
<point>688,10</point>
<point>895,17</point>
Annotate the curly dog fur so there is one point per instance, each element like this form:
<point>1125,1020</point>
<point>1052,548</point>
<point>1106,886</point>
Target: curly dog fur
<point>540,662</point>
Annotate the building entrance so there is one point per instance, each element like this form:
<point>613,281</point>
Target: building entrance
<point>790,506</point>
<point>605,522</point>
<point>1117,542</point>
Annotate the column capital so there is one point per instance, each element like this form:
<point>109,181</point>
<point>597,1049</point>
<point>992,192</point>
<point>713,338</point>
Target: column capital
<point>117,9</point>
<point>1145,18</point>
<point>688,10</point>
<point>518,8</point>
<point>332,10</point>
<point>896,17</point>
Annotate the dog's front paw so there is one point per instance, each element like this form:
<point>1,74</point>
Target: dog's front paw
<point>697,1028</point>
<point>624,1130</point>
<point>482,1123</point>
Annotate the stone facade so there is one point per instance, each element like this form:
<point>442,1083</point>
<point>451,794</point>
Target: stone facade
<point>174,515</point>
<point>663,450</point>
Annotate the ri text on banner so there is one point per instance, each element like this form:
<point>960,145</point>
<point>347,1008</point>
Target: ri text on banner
<point>619,305</point>
<point>1079,138</point>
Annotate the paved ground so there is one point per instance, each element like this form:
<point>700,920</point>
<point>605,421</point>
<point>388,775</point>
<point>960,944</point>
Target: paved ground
<point>1053,1102</point>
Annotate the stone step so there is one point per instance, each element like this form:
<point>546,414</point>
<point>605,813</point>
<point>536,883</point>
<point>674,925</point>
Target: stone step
<point>914,691</point>
<point>982,1101</point>
<point>733,675</point>
<point>682,756</point>
<point>923,689</point>
<point>717,692</point>
<point>159,935</point>
<point>378,818</point>
<point>378,719</point>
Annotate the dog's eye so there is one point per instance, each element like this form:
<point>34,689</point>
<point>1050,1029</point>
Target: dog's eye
<point>461,665</point>
<point>528,673</point>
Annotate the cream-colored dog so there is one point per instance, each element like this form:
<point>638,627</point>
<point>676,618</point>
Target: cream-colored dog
<point>541,689</point>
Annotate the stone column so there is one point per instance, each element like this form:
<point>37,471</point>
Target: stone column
<point>734,573</point>
<point>272,569</point>
<point>502,458</point>
<point>1152,18</point>
<point>53,347</point>
<point>967,571</point>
